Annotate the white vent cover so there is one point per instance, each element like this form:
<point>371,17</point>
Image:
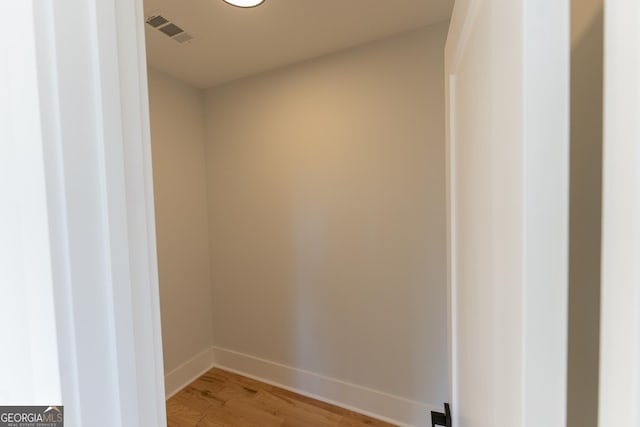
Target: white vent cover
<point>168,28</point>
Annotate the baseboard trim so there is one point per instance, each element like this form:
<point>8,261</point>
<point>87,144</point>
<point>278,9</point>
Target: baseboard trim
<point>376,404</point>
<point>189,371</point>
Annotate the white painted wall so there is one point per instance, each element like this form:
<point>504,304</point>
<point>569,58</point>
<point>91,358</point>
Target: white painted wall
<point>327,216</point>
<point>179,174</point>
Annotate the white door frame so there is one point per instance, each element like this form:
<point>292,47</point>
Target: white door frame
<point>545,139</point>
<point>88,69</point>
<point>620,293</point>
<point>97,163</point>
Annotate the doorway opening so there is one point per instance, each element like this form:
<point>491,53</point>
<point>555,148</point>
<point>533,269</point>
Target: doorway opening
<point>299,182</point>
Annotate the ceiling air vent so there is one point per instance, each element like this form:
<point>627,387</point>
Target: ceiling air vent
<point>156,20</point>
<point>168,28</point>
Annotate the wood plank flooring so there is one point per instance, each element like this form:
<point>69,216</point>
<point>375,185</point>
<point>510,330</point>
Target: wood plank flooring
<point>223,399</point>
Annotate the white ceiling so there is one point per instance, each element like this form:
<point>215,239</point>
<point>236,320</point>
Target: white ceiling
<point>232,42</point>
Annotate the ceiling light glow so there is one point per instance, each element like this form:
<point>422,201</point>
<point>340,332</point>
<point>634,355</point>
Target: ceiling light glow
<point>244,3</point>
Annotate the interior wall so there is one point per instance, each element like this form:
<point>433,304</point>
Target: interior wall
<point>585,211</point>
<point>179,177</point>
<point>327,216</point>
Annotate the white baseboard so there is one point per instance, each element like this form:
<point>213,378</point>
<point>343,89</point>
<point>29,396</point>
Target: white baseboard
<point>186,373</point>
<point>377,404</point>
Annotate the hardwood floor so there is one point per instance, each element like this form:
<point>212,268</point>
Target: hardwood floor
<point>223,399</point>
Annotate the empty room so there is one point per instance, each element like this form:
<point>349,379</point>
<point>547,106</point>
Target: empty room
<point>320,213</point>
<point>299,181</point>
<point>300,172</point>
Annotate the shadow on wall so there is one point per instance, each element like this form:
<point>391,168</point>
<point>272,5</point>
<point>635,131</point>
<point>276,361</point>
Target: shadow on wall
<point>585,213</point>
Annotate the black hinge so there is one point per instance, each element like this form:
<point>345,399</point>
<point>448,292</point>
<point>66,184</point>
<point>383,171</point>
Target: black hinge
<point>441,419</point>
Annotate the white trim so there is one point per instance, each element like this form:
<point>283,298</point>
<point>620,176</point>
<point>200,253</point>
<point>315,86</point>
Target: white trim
<point>376,404</point>
<point>545,203</point>
<point>188,372</point>
<point>30,359</point>
<point>545,160</point>
<point>464,15</point>
<point>128,65</point>
<point>620,302</point>
<point>366,401</point>
<point>96,159</point>
<point>452,295</point>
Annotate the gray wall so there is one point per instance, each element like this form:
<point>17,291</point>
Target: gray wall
<point>179,178</point>
<point>327,215</point>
